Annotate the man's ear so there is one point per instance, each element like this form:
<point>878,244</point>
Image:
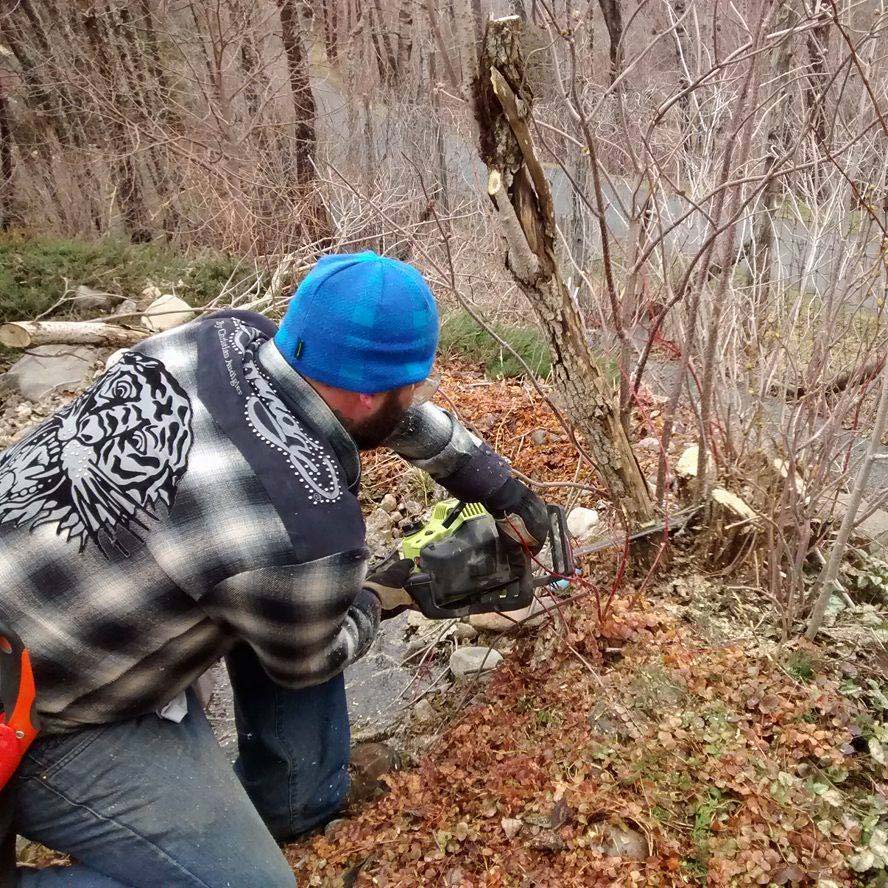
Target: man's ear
<point>367,402</point>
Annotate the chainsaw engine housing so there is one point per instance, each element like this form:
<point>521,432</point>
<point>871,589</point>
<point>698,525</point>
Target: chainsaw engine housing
<point>464,566</point>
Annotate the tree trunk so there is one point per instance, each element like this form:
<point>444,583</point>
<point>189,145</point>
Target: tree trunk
<point>818,83</point>
<point>520,192</point>
<point>125,174</point>
<point>385,53</point>
<point>613,20</point>
<point>405,37</point>
<point>435,25</point>
<point>304,135</point>
<point>778,137</point>
<point>331,30</point>
<point>5,162</point>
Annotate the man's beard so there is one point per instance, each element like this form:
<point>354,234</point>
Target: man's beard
<point>372,431</point>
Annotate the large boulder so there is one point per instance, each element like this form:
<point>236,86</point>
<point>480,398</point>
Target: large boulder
<point>48,368</point>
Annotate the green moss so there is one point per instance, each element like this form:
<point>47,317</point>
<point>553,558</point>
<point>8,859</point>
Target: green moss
<point>461,336</point>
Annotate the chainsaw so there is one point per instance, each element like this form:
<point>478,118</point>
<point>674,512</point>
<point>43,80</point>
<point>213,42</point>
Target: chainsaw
<point>464,565</point>
<point>18,728</point>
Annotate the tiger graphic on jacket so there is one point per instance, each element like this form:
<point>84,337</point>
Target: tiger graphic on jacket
<point>99,468</point>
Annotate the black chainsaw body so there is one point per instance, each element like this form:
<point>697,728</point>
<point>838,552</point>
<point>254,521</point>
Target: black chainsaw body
<point>475,570</point>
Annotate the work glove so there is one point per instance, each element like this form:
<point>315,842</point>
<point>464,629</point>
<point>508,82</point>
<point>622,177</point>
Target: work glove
<point>387,582</point>
<point>520,515</point>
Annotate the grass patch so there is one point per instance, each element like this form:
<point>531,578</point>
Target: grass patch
<point>34,271</point>
<point>461,336</point>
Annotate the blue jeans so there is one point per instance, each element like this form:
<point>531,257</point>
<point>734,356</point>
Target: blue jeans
<point>148,802</point>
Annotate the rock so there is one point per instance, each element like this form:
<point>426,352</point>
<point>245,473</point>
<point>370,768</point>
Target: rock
<point>389,503</point>
<point>126,310</point>
<point>469,661</point>
<point>648,444</point>
<point>529,616</point>
<point>87,299</point>
<point>412,507</point>
<point>486,423</point>
<point>510,826</point>
<point>686,467</point>
<point>379,531</point>
<point>333,825</point>
<point>416,620</point>
<point>875,529</point>
<point>369,761</point>
<point>48,368</point>
<point>423,711</point>
<point>539,437</point>
<point>582,522</point>
<point>465,632</point>
<point>166,312</point>
<point>619,841</point>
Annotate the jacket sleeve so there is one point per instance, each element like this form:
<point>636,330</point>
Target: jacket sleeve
<point>306,622</point>
<point>433,440</point>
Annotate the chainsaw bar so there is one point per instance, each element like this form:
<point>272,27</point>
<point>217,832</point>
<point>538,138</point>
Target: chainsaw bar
<point>674,522</point>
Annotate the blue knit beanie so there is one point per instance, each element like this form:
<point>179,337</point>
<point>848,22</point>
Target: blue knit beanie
<point>361,322</point>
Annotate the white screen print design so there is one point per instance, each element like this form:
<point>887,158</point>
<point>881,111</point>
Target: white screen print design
<point>99,467</point>
<point>278,428</point>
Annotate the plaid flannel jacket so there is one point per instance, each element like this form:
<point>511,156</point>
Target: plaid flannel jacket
<point>200,493</point>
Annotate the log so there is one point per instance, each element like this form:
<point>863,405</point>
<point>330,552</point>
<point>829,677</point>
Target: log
<point>27,334</point>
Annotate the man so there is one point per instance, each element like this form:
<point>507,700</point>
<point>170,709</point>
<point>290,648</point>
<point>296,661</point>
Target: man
<point>200,501</point>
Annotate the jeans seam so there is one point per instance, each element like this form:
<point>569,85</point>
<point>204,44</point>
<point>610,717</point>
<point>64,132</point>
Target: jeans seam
<point>47,766</point>
<point>279,734</point>
<point>122,826</point>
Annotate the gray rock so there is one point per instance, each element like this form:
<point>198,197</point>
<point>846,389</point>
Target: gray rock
<point>511,826</point>
<point>470,660</point>
<point>465,631</point>
<point>48,368</point>
<point>648,444</point>
<point>423,711</point>
<point>91,300</point>
<point>582,523</point>
<point>379,531</point>
<point>875,529</point>
<point>620,841</point>
<point>389,503</point>
<point>539,437</point>
<point>412,507</point>
<point>127,308</point>
<point>166,312</point>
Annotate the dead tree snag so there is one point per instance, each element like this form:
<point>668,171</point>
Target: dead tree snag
<point>519,190</point>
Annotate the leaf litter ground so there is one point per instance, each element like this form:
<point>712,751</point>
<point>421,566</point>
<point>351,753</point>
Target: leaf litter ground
<point>658,746</point>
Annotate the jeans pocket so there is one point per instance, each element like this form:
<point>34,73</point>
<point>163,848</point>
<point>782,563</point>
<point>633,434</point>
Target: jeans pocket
<point>53,751</point>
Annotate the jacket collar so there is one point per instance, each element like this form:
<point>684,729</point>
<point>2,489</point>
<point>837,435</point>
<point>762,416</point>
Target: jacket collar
<point>306,402</point>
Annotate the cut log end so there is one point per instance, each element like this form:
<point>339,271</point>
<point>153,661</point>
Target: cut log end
<point>14,336</point>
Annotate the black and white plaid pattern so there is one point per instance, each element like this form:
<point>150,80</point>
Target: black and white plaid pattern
<point>120,625</point>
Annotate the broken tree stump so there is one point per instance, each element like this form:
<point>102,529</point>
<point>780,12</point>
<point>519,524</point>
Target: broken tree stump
<point>519,190</point>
